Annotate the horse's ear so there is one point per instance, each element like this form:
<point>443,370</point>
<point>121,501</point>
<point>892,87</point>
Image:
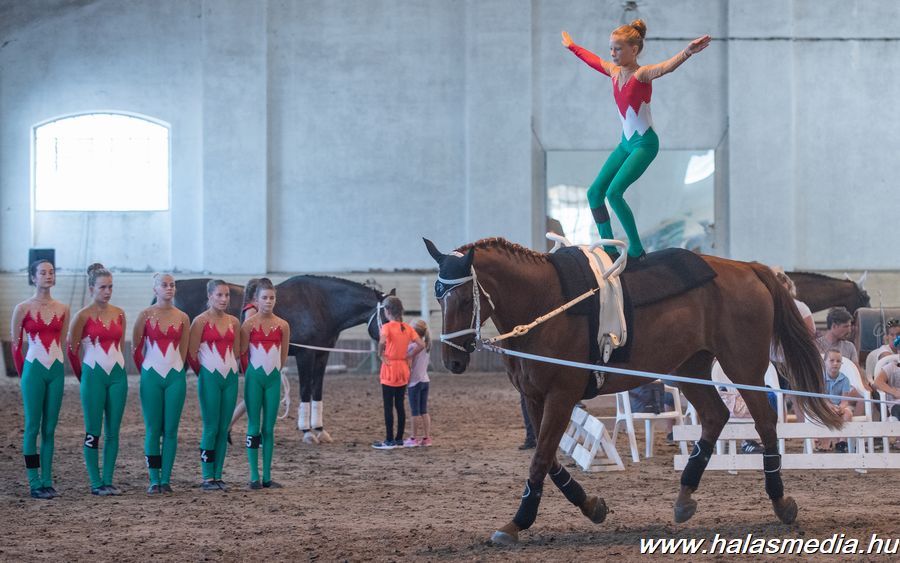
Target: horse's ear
<point>392,292</point>
<point>469,258</point>
<point>861,282</point>
<point>438,256</point>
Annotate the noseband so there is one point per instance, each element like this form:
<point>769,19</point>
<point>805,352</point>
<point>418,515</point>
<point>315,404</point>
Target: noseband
<point>443,288</point>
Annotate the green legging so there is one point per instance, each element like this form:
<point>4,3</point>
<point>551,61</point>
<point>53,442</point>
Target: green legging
<point>42,392</point>
<point>262,393</point>
<point>218,396</point>
<point>102,394</point>
<point>161,401</point>
<point>623,167</point>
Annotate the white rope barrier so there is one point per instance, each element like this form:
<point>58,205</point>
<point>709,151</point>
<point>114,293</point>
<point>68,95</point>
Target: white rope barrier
<point>676,378</point>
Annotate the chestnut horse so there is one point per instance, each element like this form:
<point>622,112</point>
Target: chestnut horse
<point>734,318</point>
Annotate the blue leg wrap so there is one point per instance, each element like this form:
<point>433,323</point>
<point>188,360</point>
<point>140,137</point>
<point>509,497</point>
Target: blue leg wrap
<point>528,508</point>
<point>569,487</point>
<point>696,464</point>
<point>772,468</point>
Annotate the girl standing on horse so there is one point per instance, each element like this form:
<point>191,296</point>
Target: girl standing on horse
<point>160,342</point>
<point>98,334</point>
<point>395,352</point>
<point>215,335</point>
<point>632,87</point>
<point>39,361</point>
<point>264,346</point>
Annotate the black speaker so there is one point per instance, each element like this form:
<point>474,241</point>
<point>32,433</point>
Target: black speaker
<point>35,254</point>
<point>870,326</point>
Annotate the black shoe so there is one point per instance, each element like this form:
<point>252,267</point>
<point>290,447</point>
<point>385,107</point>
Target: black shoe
<point>222,485</point>
<point>639,258</point>
<point>271,485</point>
<point>254,485</point>
<point>52,491</point>
<point>841,447</point>
<point>210,485</point>
<point>166,488</point>
<point>101,492</point>
<point>154,490</point>
<point>751,447</point>
<point>113,491</point>
<point>41,493</point>
<point>670,439</point>
<point>528,445</point>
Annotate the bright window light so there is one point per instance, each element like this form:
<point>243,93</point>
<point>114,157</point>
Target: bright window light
<point>101,162</point>
<point>700,167</point>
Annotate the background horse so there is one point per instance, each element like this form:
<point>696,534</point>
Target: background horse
<point>318,309</point>
<point>820,292</point>
<point>734,318</point>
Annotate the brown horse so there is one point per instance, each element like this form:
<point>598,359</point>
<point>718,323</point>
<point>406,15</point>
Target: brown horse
<point>734,318</point>
<point>820,292</point>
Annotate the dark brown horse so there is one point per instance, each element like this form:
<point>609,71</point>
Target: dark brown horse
<point>734,318</point>
<point>820,292</point>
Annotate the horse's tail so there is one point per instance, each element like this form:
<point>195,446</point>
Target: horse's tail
<point>805,369</point>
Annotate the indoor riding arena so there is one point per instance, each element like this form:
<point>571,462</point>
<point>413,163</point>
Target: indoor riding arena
<point>429,280</point>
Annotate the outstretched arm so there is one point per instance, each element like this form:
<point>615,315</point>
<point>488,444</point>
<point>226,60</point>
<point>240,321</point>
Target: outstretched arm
<point>652,72</point>
<point>588,57</point>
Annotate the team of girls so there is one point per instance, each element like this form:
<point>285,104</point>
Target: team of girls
<point>165,343</point>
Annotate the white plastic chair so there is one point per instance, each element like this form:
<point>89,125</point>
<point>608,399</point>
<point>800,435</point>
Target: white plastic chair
<point>850,369</point>
<point>625,417</point>
<point>771,379</point>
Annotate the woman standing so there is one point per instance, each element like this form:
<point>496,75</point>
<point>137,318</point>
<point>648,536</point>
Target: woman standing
<point>264,347</point>
<point>98,333</point>
<point>215,335</point>
<point>39,361</point>
<point>632,87</point>
<point>160,346</point>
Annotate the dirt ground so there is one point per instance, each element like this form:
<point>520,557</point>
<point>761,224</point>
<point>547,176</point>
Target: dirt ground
<point>347,501</point>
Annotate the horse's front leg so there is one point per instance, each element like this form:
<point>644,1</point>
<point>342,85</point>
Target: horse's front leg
<point>551,423</point>
<point>305,365</point>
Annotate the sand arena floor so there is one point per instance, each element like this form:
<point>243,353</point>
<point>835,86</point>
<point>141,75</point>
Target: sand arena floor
<point>347,501</point>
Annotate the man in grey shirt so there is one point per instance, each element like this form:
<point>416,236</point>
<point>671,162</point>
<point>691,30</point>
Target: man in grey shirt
<point>839,324</point>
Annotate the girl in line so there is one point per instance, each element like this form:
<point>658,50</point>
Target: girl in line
<point>96,341</point>
<point>39,361</point>
<point>160,346</point>
<point>215,335</point>
<point>395,352</point>
<point>632,87</point>
<point>264,347</point>
<point>418,388</point>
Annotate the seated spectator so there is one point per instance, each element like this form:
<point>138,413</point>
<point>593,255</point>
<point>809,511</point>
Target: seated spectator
<point>839,324</point>
<point>887,380</point>
<point>653,398</point>
<point>737,408</point>
<point>836,383</point>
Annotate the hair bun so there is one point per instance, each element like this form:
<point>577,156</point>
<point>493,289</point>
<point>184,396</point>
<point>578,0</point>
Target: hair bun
<point>640,27</point>
<point>94,267</point>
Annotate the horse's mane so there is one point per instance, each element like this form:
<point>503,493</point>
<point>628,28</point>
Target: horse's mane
<point>816,275</point>
<point>317,277</point>
<point>501,243</point>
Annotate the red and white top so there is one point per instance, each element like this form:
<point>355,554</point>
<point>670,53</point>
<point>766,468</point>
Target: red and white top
<point>100,344</point>
<point>265,349</point>
<point>160,349</point>
<point>632,98</point>
<point>216,352</point>
<point>43,339</point>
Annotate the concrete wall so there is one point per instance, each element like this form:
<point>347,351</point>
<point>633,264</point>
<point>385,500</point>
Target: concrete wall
<point>318,135</point>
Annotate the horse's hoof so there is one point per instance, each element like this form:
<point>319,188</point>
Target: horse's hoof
<point>685,510</point>
<point>502,538</point>
<point>310,438</point>
<point>595,509</point>
<point>786,509</point>
<point>323,437</point>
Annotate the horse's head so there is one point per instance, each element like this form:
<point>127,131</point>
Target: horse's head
<point>464,304</point>
<point>862,296</point>
<point>378,318</point>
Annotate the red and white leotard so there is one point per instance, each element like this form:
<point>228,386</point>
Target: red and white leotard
<point>100,344</point>
<point>160,349</point>
<point>216,352</point>
<point>265,349</point>
<point>632,99</point>
<point>43,341</point>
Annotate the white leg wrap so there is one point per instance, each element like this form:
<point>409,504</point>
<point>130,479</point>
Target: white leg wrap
<point>303,417</point>
<point>316,414</point>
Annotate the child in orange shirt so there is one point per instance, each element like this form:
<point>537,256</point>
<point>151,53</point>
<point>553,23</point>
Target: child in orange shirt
<point>395,353</point>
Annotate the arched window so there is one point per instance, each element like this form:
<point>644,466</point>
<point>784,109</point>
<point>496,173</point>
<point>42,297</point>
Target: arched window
<point>101,162</point>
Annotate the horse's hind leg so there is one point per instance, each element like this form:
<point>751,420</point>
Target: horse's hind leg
<point>766,419</point>
<point>713,416</point>
<point>551,423</point>
<point>318,379</point>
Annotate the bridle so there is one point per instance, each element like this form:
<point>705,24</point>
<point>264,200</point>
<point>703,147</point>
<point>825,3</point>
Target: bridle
<point>443,288</point>
<point>376,316</point>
